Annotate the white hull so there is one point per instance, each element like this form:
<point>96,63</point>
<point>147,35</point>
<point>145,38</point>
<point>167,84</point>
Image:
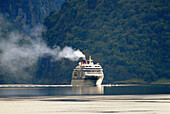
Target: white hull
<point>90,82</point>
<point>87,73</point>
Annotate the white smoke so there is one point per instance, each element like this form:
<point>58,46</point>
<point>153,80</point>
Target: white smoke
<point>19,51</point>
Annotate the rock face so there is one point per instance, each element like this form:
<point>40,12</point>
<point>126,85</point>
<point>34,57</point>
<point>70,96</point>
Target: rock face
<point>28,12</point>
<point>18,17</point>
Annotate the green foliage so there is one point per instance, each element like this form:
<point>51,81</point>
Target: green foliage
<point>50,72</point>
<point>129,38</point>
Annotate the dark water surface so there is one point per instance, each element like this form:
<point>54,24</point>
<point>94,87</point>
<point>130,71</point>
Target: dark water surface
<point>65,99</point>
<point>68,90</point>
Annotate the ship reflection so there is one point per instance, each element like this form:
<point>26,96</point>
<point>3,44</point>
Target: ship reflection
<point>85,90</point>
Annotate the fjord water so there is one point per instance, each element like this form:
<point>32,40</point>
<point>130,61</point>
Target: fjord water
<point>68,90</point>
<point>101,99</point>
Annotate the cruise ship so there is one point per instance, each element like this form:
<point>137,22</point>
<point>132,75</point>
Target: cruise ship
<point>87,73</point>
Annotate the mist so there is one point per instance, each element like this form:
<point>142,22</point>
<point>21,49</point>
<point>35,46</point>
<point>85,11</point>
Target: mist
<point>19,51</point>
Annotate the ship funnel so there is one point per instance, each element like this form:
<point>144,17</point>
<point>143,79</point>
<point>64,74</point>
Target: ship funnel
<point>84,58</point>
<point>83,61</point>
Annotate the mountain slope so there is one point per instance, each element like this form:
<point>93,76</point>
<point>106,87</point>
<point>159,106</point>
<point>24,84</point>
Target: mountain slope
<point>18,17</point>
<point>28,13</point>
<point>129,38</point>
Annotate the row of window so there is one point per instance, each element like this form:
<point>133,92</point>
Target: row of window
<point>92,71</point>
<point>93,66</point>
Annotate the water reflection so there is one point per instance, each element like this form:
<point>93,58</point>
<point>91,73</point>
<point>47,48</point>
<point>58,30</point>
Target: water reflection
<point>61,90</point>
<point>88,90</point>
<point>49,91</point>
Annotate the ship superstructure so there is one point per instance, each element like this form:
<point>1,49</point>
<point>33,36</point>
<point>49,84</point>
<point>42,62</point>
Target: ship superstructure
<point>87,73</point>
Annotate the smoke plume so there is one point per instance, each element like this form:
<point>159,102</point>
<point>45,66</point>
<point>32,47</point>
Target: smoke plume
<point>18,51</point>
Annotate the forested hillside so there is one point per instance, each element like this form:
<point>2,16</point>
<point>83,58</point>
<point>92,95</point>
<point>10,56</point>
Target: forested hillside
<point>129,38</point>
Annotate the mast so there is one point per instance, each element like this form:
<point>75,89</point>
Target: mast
<point>90,60</point>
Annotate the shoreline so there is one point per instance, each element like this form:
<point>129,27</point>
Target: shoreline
<point>140,81</point>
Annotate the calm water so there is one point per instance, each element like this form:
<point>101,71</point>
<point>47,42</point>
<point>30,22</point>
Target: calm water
<point>149,99</point>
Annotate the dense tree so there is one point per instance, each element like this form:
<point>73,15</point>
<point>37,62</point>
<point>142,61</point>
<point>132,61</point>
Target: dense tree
<point>130,38</point>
